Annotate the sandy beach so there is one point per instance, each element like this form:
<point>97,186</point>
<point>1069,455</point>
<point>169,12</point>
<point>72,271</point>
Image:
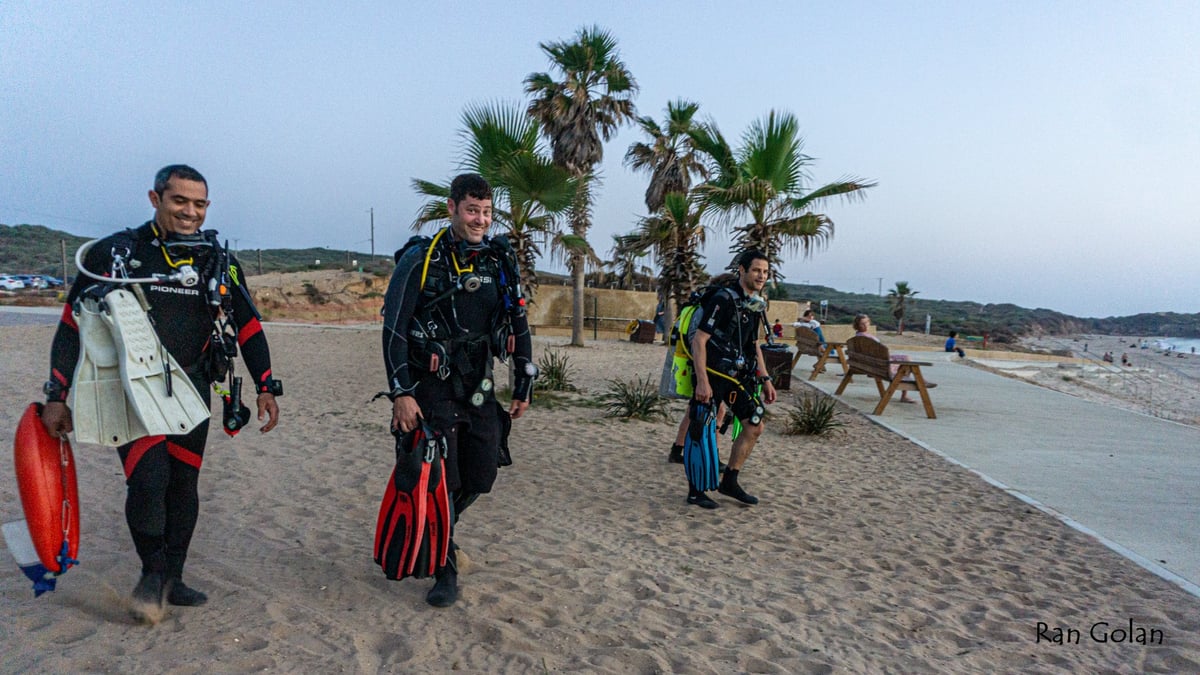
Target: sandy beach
<point>867,553</point>
<point>1154,381</point>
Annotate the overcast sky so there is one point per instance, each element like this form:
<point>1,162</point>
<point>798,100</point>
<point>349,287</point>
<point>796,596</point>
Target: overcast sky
<point>1040,153</point>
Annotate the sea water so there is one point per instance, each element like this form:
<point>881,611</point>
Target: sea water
<point>1183,345</point>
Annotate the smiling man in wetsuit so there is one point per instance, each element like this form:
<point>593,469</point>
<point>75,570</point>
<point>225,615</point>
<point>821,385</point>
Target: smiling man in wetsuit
<point>162,502</point>
<point>454,304</point>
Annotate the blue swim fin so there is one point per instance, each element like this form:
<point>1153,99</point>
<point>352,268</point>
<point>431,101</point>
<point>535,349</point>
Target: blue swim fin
<point>700,460</point>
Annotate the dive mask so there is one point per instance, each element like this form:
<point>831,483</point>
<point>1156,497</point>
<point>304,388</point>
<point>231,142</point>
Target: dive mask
<point>755,303</point>
<point>187,253</point>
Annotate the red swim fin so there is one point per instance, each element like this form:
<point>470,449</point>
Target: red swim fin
<point>401,524</point>
<point>435,544</point>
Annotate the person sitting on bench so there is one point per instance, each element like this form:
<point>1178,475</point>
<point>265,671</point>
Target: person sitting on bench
<point>862,327</point>
<point>809,321</point>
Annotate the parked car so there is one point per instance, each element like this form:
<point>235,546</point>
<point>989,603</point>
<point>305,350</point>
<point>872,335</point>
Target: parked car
<point>9,283</point>
<point>31,280</point>
<point>51,282</point>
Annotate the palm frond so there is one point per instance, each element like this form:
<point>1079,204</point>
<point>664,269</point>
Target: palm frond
<point>850,189</point>
<point>435,209</point>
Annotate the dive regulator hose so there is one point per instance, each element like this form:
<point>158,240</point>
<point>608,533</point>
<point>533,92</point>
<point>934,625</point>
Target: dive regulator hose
<point>187,275</point>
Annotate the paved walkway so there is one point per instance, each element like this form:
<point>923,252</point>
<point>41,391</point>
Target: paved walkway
<point>29,316</point>
<point>1131,480</point>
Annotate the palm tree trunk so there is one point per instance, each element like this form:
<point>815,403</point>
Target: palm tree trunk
<point>578,261</point>
<point>668,318</point>
<point>577,264</point>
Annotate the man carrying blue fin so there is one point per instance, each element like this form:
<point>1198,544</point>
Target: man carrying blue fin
<point>728,367</point>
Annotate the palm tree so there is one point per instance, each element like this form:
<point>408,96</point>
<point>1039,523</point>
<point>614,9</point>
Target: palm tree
<point>670,157</point>
<point>626,252</point>
<point>898,298</point>
<point>676,236</point>
<point>764,180</point>
<point>593,98</point>
<point>502,145</point>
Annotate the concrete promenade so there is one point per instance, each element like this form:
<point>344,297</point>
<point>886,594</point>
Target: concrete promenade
<point>1129,479</point>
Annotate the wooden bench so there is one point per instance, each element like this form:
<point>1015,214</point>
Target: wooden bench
<point>808,344</point>
<point>870,358</point>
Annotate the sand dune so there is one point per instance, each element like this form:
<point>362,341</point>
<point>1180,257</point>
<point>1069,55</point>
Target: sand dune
<point>867,553</point>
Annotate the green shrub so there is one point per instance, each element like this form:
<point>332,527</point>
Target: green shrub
<point>817,415</point>
<point>555,372</point>
<point>637,398</point>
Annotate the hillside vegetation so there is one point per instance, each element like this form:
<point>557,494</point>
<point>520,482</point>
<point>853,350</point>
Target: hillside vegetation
<point>1003,322</point>
<point>34,249</point>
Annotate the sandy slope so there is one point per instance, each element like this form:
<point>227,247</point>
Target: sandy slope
<point>867,554</point>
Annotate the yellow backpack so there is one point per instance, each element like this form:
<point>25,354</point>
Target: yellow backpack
<point>690,317</point>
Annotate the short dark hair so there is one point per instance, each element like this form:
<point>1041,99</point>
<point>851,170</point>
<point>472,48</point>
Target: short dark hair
<point>953,333</point>
<point>469,184</point>
<point>182,171</point>
<point>747,258</point>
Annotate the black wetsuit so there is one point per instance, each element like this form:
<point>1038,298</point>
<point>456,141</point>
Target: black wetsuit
<point>466,331</point>
<point>732,351</point>
<point>162,502</point>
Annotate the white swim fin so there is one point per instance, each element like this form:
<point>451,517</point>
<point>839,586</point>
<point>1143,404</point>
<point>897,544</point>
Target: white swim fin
<point>156,387</point>
<point>100,411</point>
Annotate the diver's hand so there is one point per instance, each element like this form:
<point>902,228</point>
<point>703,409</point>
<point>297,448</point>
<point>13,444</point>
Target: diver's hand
<point>518,408</point>
<point>56,417</point>
<point>703,390</point>
<point>405,413</point>
<point>769,393</point>
<point>267,406</point>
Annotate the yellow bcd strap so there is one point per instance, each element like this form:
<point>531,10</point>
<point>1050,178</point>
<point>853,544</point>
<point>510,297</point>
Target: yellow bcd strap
<point>429,255</point>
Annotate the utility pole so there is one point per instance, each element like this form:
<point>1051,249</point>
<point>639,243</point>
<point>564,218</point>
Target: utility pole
<point>372,233</point>
<point>880,286</point>
<point>62,244</point>
<point>260,262</point>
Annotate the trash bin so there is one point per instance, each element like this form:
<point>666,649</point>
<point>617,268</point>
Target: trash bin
<point>779,365</point>
<point>643,332</point>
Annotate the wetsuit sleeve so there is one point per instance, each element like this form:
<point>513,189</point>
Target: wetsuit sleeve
<point>519,316</point>
<point>523,349</point>
<point>524,370</point>
<point>250,336</point>
<point>399,304</point>
<point>64,350</point>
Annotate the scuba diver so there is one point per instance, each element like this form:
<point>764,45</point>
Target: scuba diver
<point>728,368</point>
<point>154,318</point>
<point>454,304</point>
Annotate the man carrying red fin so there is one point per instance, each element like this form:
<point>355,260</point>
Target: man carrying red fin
<point>454,304</point>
